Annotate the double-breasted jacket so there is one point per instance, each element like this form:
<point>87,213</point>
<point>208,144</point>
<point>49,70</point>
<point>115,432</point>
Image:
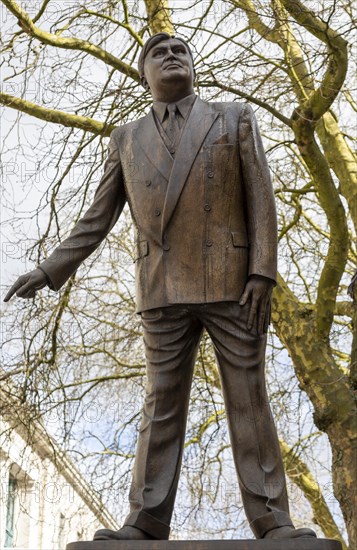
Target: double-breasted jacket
<point>204,219</point>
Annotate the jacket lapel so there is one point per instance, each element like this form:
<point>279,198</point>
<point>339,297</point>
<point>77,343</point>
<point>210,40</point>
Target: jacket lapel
<point>197,127</point>
<point>150,141</point>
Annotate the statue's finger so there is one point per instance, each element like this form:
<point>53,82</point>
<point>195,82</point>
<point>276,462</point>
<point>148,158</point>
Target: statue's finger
<point>245,296</point>
<point>14,289</point>
<point>10,293</point>
<point>252,315</point>
<point>261,319</point>
<point>243,299</point>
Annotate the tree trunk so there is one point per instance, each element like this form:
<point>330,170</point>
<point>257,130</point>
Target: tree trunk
<point>329,391</point>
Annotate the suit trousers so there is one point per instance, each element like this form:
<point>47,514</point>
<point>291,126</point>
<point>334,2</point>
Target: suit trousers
<point>172,335</point>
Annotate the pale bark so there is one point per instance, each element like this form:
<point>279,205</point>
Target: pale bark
<point>26,23</point>
<point>304,330</point>
<point>337,151</point>
<point>329,390</point>
<point>321,99</point>
<point>341,159</point>
<point>55,116</point>
<point>299,473</point>
<point>159,16</point>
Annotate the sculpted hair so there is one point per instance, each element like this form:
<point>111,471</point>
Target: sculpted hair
<point>151,42</point>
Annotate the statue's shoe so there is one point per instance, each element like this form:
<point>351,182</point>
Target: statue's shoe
<point>288,532</point>
<point>125,533</point>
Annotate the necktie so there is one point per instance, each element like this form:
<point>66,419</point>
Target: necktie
<point>172,129</point>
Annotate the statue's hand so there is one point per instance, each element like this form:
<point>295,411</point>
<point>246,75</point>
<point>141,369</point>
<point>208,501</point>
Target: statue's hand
<point>26,285</point>
<point>258,292</point>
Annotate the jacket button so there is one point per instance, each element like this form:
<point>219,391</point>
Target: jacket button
<point>147,183</point>
<point>157,211</point>
<point>210,174</point>
<point>166,247</point>
<point>209,242</point>
<point>207,207</point>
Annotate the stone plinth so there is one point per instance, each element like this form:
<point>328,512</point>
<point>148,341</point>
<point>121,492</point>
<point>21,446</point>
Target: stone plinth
<point>297,544</point>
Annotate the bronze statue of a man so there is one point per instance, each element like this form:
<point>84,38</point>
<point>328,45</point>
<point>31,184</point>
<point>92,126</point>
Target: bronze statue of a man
<point>203,208</point>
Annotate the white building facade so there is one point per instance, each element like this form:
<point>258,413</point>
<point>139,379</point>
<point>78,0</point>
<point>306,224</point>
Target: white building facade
<point>44,501</point>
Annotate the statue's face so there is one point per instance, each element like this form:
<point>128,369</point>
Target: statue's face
<point>168,68</point>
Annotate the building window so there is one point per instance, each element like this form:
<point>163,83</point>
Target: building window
<point>10,512</point>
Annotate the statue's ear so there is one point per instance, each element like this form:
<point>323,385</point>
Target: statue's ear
<point>144,83</point>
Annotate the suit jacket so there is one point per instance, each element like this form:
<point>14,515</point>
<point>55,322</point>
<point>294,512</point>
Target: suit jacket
<point>205,220</point>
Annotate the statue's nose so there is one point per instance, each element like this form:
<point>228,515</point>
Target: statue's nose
<point>170,54</point>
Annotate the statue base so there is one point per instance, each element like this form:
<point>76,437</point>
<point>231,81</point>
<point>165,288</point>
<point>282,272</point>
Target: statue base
<point>287,544</point>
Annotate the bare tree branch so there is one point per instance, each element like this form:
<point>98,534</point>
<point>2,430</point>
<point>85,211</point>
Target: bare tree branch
<point>58,117</point>
<point>28,26</point>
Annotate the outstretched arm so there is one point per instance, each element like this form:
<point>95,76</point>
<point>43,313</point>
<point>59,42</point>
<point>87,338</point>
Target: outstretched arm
<point>87,234</point>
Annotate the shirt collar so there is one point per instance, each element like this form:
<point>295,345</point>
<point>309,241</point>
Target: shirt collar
<point>184,106</point>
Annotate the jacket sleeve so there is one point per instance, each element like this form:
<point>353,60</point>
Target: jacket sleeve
<point>94,226</point>
<point>260,202</point>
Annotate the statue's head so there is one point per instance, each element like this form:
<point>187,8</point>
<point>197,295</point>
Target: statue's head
<point>166,66</point>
